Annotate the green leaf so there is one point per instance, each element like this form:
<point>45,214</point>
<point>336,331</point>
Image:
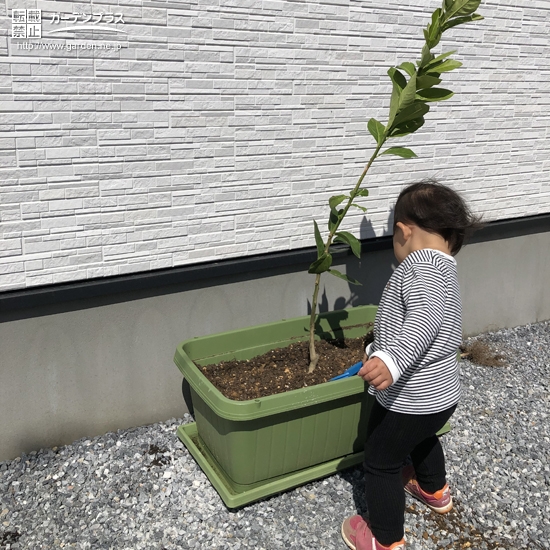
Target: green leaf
<point>434,30</point>
<point>460,20</point>
<point>359,206</point>
<point>336,200</point>
<point>336,273</point>
<point>416,110</point>
<point>334,218</point>
<point>318,240</point>
<point>400,152</point>
<point>444,67</point>
<point>362,193</point>
<point>470,7</point>
<point>436,16</point>
<point>427,81</point>
<point>394,103</point>
<point>441,57</point>
<point>434,94</point>
<point>397,77</point>
<point>399,86</point>
<point>321,265</point>
<point>348,238</point>
<point>408,67</point>
<point>430,63</point>
<point>376,130</point>
<point>407,127</point>
<point>427,56</point>
<point>426,32</point>
<point>461,7</point>
<point>408,94</point>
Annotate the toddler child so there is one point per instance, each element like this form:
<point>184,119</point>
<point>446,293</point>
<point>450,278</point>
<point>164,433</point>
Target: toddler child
<point>411,366</point>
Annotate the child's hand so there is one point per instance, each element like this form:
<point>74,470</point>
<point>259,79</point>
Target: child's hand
<point>375,372</point>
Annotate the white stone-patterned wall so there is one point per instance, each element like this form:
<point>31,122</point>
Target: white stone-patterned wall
<point>220,127</point>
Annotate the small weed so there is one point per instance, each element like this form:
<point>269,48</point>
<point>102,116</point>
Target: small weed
<point>480,353</point>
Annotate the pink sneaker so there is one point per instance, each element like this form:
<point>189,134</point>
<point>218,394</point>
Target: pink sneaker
<point>440,501</point>
<point>358,536</point>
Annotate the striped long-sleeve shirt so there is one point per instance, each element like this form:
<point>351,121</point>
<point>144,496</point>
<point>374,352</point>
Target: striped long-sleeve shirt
<point>417,331</point>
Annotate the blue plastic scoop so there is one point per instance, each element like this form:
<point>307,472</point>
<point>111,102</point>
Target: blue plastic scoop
<point>352,371</point>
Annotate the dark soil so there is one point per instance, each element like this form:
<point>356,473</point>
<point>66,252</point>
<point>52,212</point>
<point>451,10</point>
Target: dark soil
<point>285,369</point>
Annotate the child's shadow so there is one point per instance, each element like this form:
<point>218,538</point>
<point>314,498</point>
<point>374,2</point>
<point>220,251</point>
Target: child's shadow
<point>356,478</point>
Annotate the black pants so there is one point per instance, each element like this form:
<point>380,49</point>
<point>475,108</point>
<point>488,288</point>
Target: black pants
<point>391,438</point>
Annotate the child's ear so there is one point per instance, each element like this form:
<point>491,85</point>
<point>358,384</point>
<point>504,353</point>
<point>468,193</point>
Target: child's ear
<point>406,230</point>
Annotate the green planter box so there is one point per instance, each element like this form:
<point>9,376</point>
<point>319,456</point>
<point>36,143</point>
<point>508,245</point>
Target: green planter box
<point>251,449</point>
<point>253,443</point>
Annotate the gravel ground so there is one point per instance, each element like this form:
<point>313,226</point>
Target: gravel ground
<point>141,489</point>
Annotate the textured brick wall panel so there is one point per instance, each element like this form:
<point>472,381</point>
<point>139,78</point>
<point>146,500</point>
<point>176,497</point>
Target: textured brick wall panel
<point>221,128</point>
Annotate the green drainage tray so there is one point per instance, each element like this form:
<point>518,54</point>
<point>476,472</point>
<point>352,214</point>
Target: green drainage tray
<point>235,495</point>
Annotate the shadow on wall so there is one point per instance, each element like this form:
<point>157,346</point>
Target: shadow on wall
<point>372,273</point>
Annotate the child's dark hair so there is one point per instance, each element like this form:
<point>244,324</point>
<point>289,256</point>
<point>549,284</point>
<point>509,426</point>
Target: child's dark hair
<point>438,209</point>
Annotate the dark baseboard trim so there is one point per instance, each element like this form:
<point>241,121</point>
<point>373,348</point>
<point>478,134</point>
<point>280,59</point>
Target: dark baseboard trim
<point>299,259</point>
<point>515,227</point>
